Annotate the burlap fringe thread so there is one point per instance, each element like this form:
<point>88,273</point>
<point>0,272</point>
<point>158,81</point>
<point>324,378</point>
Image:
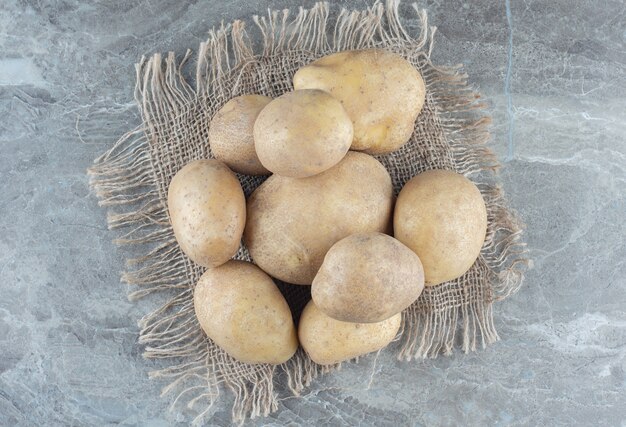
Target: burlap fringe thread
<point>128,177</point>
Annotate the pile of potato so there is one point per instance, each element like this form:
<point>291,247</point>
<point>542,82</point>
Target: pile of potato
<point>324,217</point>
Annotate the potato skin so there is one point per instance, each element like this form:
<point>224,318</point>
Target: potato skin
<point>207,210</point>
<point>240,308</point>
<point>302,133</point>
<point>230,134</point>
<point>293,222</point>
<point>381,91</point>
<point>442,217</point>
<point>328,341</point>
<point>367,278</point>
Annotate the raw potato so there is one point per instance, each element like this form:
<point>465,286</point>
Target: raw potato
<point>240,308</point>
<point>230,134</point>
<point>302,133</point>
<point>293,222</point>
<point>328,341</point>
<point>441,215</point>
<point>367,278</point>
<point>208,211</point>
<point>381,91</point>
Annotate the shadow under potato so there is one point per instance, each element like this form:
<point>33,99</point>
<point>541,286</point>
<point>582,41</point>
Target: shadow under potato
<point>297,297</point>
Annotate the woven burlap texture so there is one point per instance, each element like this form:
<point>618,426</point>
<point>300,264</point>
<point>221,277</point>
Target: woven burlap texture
<point>176,106</point>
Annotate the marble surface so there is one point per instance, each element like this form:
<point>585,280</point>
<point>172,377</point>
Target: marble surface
<point>554,74</point>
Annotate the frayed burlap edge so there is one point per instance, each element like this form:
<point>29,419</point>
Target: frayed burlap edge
<point>124,178</point>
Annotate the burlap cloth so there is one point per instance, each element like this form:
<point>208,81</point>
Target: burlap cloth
<point>176,106</point>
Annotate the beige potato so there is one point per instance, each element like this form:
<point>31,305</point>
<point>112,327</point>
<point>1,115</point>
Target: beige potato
<point>207,210</point>
<point>240,308</point>
<point>302,133</point>
<point>328,341</point>
<point>293,222</point>
<point>442,217</point>
<point>381,91</point>
<point>230,134</point>
<point>367,278</point>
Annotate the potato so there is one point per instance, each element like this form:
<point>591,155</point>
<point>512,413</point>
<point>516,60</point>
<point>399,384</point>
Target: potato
<point>442,217</point>
<point>367,278</point>
<point>240,308</point>
<point>207,210</point>
<point>328,341</point>
<point>381,91</point>
<point>302,133</point>
<point>230,134</point>
<point>293,222</point>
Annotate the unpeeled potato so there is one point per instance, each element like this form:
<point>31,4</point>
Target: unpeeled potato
<point>442,217</point>
<point>293,222</point>
<point>230,134</point>
<point>328,341</point>
<point>240,308</point>
<point>381,91</point>
<point>207,210</point>
<point>302,133</point>
<point>367,278</point>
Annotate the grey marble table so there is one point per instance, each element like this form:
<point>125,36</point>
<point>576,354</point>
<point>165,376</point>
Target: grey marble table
<point>554,74</point>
